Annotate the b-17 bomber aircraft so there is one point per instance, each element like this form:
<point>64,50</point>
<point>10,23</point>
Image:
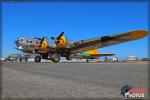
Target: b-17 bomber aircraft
<point>83,49</point>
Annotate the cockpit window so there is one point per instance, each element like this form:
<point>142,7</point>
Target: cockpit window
<point>21,39</point>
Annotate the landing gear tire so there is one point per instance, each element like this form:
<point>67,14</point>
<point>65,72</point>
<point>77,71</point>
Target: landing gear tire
<point>37,59</point>
<point>55,58</point>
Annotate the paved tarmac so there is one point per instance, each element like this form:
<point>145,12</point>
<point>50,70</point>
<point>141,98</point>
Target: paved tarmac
<point>70,80</point>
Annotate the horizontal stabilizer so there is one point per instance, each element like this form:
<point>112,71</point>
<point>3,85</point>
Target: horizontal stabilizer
<point>98,55</point>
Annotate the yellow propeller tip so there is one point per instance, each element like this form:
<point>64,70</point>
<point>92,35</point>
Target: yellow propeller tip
<point>138,33</point>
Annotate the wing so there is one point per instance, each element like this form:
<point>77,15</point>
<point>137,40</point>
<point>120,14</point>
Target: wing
<point>95,43</point>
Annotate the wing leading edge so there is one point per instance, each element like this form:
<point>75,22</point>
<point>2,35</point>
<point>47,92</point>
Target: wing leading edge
<point>95,43</point>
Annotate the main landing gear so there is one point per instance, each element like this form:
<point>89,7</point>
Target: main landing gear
<point>37,58</point>
<point>55,58</point>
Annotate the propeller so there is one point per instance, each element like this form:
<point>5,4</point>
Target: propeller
<point>52,38</point>
<point>62,33</point>
<point>16,41</point>
<point>41,42</point>
<point>57,40</point>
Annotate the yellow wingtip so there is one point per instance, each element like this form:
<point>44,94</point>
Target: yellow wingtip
<point>138,33</point>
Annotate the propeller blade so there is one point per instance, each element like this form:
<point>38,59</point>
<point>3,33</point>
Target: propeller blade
<point>58,38</point>
<point>57,42</point>
<point>52,38</point>
<point>16,42</point>
<point>41,41</point>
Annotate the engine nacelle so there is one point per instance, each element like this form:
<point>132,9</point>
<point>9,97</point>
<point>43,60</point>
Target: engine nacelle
<point>43,46</point>
<point>62,43</point>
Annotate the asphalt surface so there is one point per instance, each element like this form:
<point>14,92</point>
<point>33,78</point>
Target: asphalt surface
<point>70,80</point>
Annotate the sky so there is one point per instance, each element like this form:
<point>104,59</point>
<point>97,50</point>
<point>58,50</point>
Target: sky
<point>79,20</point>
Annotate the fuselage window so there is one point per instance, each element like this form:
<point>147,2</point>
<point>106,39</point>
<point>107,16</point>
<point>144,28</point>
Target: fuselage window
<point>30,41</point>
